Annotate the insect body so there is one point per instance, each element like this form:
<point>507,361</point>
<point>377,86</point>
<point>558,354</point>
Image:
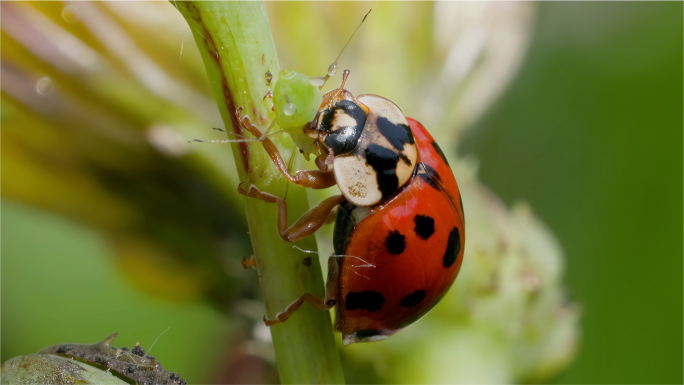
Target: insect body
<point>295,100</point>
<point>399,231</point>
<point>410,244</point>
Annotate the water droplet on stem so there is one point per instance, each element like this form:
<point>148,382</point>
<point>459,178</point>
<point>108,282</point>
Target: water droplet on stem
<point>332,69</point>
<point>289,109</point>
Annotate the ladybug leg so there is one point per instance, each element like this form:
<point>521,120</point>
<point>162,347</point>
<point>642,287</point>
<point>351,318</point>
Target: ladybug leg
<point>316,302</point>
<point>331,292</point>
<point>332,288</point>
<point>316,179</point>
<point>309,222</point>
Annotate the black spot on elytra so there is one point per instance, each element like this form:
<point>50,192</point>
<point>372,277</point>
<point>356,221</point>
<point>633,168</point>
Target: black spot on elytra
<point>440,152</point>
<point>453,248</point>
<point>395,242</point>
<point>366,300</point>
<point>384,162</point>
<point>397,134</point>
<point>425,226</point>
<point>413,299</point>
<point>365,333</point>
<point>306,261</point>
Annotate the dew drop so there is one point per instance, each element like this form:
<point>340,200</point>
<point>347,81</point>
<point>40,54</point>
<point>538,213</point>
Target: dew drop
<point>289,109</point>
<point>332,69</point>
<point>317,81</point>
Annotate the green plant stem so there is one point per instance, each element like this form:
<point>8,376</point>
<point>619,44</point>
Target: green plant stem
<point>235,42</point>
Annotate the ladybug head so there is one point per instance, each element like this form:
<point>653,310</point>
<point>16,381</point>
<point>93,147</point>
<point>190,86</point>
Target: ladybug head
<point>339,121</point>
<point>339,127</point>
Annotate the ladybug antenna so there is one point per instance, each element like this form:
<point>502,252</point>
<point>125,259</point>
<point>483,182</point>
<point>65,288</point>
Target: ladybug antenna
<point>332,68</point>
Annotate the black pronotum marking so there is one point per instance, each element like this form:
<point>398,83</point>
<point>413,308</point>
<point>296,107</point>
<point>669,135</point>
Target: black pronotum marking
<point>440,152</point>
<point>384,162</point>
<point>365,333</point>
<point>395,242</point>
<point>413,299</point>
<point>343,139</point>
<point>397,134</point>
<point>366,300</point>
<point>425,226</point>
<point>453,248</point>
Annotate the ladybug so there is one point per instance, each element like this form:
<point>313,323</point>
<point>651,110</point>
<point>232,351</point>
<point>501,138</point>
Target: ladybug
<point>399,231</point>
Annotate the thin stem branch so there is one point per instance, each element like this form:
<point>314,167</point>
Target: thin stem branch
<point>235,42</point>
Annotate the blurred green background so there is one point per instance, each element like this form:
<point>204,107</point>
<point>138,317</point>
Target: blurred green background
<point>590,133</point>
<point>115,229</point>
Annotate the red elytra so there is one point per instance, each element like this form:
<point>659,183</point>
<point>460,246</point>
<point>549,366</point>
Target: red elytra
<point>401,259</point>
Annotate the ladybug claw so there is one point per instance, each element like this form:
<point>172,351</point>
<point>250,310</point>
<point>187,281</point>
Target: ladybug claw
<point>253,192</point>
<point>246,124</point>
<point>271,322</point>
<point>238,114</point>
<point>241,190</point>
